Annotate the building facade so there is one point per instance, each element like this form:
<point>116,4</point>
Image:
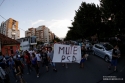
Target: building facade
<point>42,33</point>
<point>27,43</point>
<point>3,28</point>
<point>8,46</point>
<point>10,29</point>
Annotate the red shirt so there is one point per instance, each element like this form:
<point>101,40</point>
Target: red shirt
<point>27,59</point>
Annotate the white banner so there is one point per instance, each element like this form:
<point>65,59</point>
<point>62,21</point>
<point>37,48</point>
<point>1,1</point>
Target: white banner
<point>66,53</point>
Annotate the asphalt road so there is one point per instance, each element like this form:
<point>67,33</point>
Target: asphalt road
<point>94,70</point>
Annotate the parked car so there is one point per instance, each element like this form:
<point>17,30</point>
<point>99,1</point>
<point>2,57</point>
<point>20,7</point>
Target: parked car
<point>103,50</point>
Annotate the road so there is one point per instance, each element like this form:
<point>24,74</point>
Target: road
<point>94,70</point>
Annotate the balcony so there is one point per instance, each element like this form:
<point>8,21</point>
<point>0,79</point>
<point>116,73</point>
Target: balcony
<point>28,31</point>
<point>13,33</point>
<point>13,29</point>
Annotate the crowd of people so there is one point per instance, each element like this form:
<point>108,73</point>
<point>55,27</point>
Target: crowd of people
<point>33,59</point>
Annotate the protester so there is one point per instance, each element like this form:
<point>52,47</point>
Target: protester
<point>19,70</point>
<point>50,55</point>
<point>28,61</point>
<point>45,58</point>
<point>3,75</point>
<point>22,55</point>
<point>115,56</point>
<point>38,56</point>
<point>35,64</point>
<point>83,53</point>
<point>31,51</point>
<point>12,68</point>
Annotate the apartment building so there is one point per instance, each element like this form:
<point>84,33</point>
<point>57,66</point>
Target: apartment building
<point>3,28</point>
<point>42,33</point>
<point>51,36</point>
<point>30,32</point>
<point>10,29</point>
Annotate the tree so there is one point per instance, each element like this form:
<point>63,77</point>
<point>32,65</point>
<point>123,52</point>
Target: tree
<point>71,35</point>
<point>105,21</point>
<point>113,15</point>
<point>56,40</point>
<point>86,22</point>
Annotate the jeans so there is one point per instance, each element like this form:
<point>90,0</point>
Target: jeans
<point>36,68</point>
<point>29,67</point>
<point>53,64</point>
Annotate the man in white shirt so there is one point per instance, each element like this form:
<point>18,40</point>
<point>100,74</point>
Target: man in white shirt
<point>31,51</point>
<point>38,56</point>
<point>87,46</point>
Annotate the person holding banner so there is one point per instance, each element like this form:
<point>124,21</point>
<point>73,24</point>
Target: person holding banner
<point>71,44</point>
<point>83,53</point>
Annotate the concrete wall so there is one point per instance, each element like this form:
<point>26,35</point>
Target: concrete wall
<point>24,46</point>
<point>9,33</point>
<point>17,33</point>
<point>17,36</point>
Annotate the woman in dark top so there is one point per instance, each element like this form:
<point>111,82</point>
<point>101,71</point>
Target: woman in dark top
<point>83,52</point>
<point>35,64</point>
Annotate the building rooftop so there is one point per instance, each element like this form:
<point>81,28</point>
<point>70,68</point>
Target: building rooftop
<point>7,41</point>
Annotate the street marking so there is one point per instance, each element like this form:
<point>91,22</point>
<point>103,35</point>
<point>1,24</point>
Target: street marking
<point>122,69</point>
<point>106,75</point>
<point>110,74</point>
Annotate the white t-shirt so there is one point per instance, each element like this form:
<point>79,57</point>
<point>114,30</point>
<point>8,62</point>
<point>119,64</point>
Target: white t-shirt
<point>4,59</point>
<point>38,57</point>
<point>87,45</point>
<point>14,56</point>
<point>31,53</point>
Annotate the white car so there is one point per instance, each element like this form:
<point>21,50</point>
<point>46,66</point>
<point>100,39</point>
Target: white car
<point>103,50</point>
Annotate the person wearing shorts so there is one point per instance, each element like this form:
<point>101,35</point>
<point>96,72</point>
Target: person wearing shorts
<point>115,56</point>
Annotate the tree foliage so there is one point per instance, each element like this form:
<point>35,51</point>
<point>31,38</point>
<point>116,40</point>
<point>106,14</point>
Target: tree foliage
<point>56,40</point>
<point>105,20</point>
<point>113,12</point>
